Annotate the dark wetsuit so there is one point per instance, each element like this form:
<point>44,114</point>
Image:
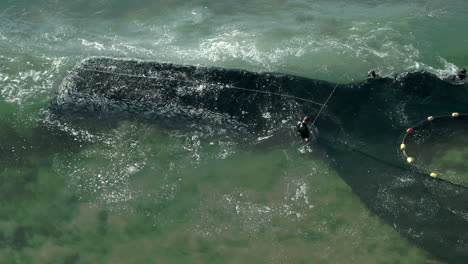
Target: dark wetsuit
<point>461,75</point>
<point>372,75</point>
<point>303,130</point>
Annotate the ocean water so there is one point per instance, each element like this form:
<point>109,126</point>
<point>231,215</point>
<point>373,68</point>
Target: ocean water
<point>126,191</point>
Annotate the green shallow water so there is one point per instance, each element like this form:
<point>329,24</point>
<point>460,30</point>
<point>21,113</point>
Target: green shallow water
<point>176,200</point>
<point>93,192</point>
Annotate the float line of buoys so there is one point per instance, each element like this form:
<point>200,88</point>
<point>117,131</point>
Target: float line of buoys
<point>410,130</point>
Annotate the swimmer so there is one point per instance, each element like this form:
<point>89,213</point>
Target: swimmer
<point>303,130</point>
<point>371,74</point>
<point>462,74</point>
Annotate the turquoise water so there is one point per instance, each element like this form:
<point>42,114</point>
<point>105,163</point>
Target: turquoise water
<point>90,192</point>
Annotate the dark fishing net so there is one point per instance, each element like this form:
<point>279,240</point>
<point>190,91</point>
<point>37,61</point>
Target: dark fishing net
<point>439,148</point>
<point>179,96</point>
<point>360,128</point>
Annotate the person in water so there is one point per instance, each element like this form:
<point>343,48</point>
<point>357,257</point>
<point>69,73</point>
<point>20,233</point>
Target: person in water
<point>303,130</point>
<point>462,74</point>
<point>371,74</point>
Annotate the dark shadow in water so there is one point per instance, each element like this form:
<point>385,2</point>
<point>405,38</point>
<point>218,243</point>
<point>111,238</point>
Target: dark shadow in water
<point>32,194</point>
<point>360,128</point>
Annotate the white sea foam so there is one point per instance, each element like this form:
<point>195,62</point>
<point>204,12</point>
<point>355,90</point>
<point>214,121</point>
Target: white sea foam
<point>92,44</point>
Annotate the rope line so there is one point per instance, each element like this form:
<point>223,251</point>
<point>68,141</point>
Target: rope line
<point>278,94</point>
<point>227,87</point>
<point>324,104</point>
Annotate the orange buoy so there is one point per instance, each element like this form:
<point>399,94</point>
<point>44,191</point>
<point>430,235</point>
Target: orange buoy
<point>430,118</point>
<point>410,159</point>
<point>409,130</point>
<point>455,114</point>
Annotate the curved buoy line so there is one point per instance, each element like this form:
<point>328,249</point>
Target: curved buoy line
<point>411,160</point>
<point>226,87</point>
